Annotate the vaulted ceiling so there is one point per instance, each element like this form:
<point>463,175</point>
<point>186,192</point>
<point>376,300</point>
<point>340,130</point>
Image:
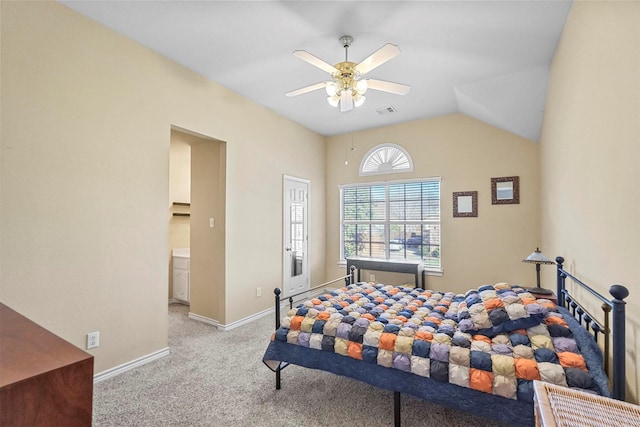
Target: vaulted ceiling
<point>486,59</point>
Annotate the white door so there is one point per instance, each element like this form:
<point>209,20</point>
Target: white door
<point>295,271</point>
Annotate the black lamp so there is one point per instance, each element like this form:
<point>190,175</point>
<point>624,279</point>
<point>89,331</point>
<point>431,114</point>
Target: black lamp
<point>538,258</point>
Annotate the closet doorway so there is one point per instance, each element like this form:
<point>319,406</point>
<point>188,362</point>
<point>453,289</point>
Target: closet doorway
<point>206,224</point>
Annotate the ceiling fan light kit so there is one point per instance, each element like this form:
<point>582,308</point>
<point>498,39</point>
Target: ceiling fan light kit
<point>348,85</point>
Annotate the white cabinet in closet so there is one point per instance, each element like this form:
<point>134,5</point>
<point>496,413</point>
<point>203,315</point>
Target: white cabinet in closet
<point>181,261</point>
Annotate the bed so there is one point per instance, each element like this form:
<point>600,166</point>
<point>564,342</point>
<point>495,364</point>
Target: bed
<point>477,352</point>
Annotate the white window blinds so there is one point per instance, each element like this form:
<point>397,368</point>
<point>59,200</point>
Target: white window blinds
<point>397,220</point>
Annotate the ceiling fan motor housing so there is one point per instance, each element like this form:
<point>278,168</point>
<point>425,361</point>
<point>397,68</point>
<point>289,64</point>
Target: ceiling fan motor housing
<point>346,74</point>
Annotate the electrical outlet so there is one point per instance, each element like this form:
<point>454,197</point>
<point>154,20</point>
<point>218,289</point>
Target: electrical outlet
<point>372,277</point>
<point>259,291</point>
<point>93,340</point>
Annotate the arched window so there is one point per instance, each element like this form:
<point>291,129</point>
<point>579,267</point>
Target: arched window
<point>385,159</point>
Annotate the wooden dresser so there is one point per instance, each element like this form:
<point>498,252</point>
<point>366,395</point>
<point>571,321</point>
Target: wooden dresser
<point>44,380</point>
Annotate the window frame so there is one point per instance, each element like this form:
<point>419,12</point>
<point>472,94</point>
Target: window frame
<point>373,154</point>
<point>387,222</point>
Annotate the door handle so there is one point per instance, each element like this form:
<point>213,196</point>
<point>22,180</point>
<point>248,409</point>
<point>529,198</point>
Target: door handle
<point>287,249</point>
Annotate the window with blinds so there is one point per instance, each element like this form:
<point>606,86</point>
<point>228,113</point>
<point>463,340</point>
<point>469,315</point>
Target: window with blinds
<point>397,220</point>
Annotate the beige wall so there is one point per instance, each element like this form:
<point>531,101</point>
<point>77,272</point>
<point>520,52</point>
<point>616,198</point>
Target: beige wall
<point>590,156</point>
<point>86,122</point>
<point>207,276</point>
<point>466,153</point>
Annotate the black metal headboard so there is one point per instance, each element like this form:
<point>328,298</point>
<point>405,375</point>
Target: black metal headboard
<point>613,330</point>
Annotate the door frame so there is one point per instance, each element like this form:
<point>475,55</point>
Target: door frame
<point>286,261</point>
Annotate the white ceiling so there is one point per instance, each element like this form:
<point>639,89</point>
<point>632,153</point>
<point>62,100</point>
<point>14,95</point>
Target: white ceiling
<point>486,59</point>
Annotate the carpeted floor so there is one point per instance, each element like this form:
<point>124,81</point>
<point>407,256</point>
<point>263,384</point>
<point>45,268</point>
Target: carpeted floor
<point>214,378</point>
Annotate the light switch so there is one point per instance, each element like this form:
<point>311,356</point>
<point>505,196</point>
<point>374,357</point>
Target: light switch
<point>211,222</point>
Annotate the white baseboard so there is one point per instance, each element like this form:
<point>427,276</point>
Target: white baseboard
<point>204,319</point>
<point>165,351</point>
<point>130,365</point>
<point>178,301</point>
<point>248,319</point>
<point>232,325</point>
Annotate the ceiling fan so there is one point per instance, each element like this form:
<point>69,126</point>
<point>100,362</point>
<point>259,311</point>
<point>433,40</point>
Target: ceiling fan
<point>348,85</point>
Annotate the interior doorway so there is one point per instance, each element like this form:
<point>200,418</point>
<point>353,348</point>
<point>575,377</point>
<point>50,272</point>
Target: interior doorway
<point>179,218</point>
<point>206,224</point>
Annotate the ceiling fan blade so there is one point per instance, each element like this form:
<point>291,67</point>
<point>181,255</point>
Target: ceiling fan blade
<point>378,58</point>
<point>306,89</point>
<point>390,87</point>
<point>315,61</point>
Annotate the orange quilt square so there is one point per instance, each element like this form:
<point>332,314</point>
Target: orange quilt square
<point>481,380</point>
<point>296,323</point>
<point>527,369</point>
<point>354,350</point>
<point>387,341</point>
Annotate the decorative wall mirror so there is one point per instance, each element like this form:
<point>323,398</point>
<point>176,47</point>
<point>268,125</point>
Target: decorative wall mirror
<point>505,190</point>
<point>465,204</point>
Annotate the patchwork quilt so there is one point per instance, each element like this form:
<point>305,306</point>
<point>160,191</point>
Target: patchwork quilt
<point>496,339</point>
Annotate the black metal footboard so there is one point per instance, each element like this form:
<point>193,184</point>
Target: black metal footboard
<point>612,328</point>
<point>349,278</point>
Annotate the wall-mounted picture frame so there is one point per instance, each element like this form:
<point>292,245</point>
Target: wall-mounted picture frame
<point>465,204</point>
<point>505,190</point>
